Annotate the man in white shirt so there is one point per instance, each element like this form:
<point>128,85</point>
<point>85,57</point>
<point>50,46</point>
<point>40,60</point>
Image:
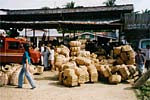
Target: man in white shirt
<point>51,58</point>
<point>147,55</point>
<point>42,50</point>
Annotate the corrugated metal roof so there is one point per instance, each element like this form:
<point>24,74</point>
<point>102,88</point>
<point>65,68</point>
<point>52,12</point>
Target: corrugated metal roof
<point>73,10</point>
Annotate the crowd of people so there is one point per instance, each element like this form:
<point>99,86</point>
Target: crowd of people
<point>47,56</point>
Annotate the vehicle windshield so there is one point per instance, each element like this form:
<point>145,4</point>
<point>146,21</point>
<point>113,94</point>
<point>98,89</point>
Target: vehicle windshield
<point>144,43</point>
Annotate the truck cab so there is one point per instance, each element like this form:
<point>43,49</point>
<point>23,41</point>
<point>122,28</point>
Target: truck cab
<point>143,43</point>
<point>11,50</point>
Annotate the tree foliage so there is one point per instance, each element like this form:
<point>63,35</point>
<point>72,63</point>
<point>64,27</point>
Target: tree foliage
<point>110,3</point>
<point>70,5</point>
<point>146,11</point>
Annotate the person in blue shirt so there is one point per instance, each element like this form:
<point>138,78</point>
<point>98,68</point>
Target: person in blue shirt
<point>25,69</point>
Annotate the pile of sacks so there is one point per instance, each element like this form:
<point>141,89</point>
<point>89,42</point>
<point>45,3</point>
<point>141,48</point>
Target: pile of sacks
<point>77,72</point>
<point>75,47</point>
<point>116,74</point>
<point>85,67</point>
<point>124,55</point>
<point>10,73</point>
<point>77,68</point>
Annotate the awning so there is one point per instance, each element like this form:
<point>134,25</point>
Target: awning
<point>63,22</point>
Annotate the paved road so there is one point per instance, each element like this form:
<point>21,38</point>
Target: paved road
<point>48,88</point>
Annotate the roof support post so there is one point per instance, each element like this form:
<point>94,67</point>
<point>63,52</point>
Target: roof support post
<point>33,35</point>
<point>74,34</point>
<point>25,32</point>
<point>120,32</point>
<point>63,32</point>
<point>48,35</point>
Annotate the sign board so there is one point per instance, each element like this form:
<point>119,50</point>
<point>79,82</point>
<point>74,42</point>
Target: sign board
<point>137,21</point>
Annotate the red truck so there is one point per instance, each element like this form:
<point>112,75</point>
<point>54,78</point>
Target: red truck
<point>11,50</point>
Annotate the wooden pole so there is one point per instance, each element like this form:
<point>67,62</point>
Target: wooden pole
<point>33,35</point>
<point>142,79</point>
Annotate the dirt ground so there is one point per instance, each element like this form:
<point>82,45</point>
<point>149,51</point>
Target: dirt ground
<point>49,88</point>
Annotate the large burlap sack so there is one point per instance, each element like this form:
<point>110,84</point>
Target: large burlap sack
<point>81,75</point>
<point>105,71</point>
<point>119,61</point>
<point>58,50</point>
<point>87,77</point>
<point>126,48</point>
<point>75,43</point>
<point>97,65</point>
<point>9,74</point>
<point>84,53</point>
<point>15,67</point>
<point>92,73</point>
<point>70,78</point>
<point>124,72</point>
<point>74,53</point>
<point>3,79</point>
<point>93,55</point>
<point>14,77</point>
<point>32,69</point>
<point>132,69</point>
<point>115,69</point>
<point>39,70</point>
<point>71,64</point>
<point>111,61</point>
<point>130,62</point>
<point>75,49</point>
<point>104,62</point>
<point>82,46</point>
<point>61,76</point>
<point>59,60</point>
<point>65,47</point>
<point>83,61</point>
<point>65,52</point>
<point>114,79</point>
<point>8,67</point>
<point>124,56</point>
<point>94,61</point>
<point>131,54</point>
<point>117,50</point>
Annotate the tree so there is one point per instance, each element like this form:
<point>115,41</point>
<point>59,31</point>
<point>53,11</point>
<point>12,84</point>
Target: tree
<point>110,3</point>
<point>146,11</point>
<point>70,5</point>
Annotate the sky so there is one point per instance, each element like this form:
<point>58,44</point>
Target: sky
<point>139,5</point>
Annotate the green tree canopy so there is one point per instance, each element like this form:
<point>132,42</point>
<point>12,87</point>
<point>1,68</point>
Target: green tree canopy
<point>146,11</point>
<point>110,3</point>
<point>70,5</point>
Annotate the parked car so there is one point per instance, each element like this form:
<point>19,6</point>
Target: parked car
<point>11,50</point>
